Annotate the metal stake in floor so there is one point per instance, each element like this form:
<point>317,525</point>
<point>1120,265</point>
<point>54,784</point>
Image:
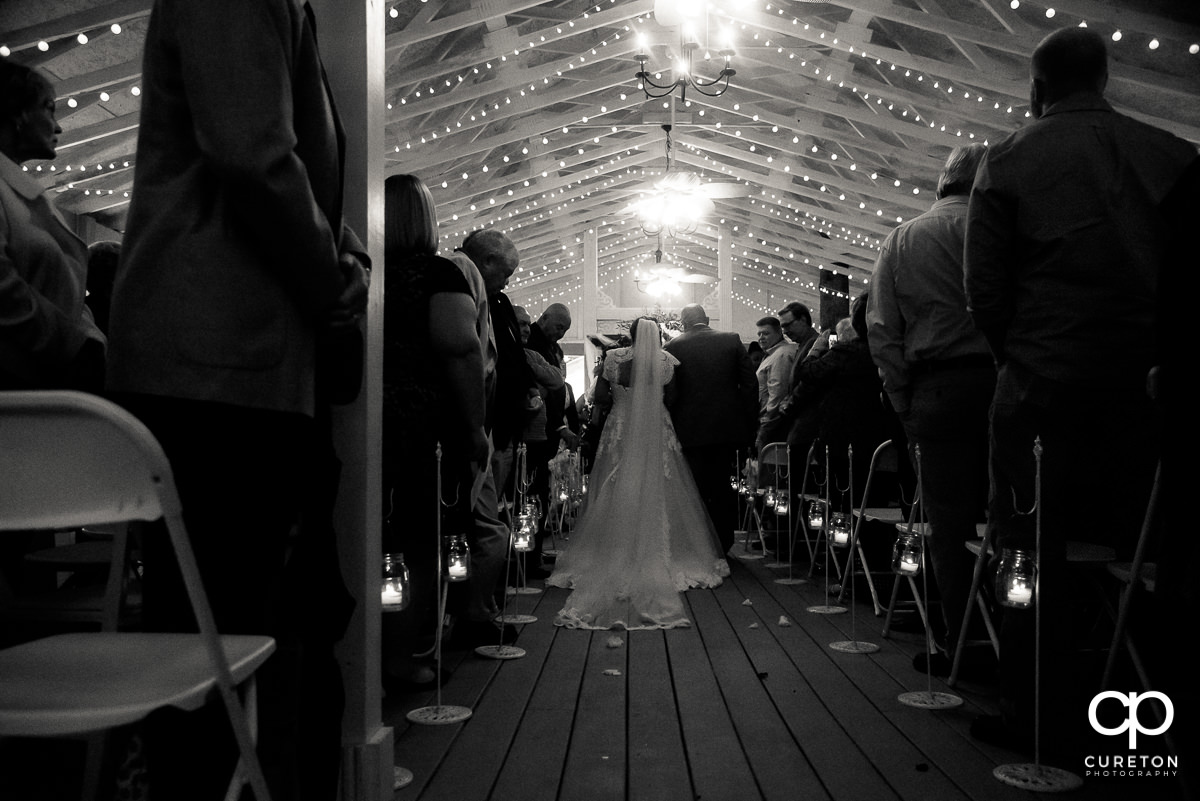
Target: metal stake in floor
<point>903,562</point>
<point>1036,776</point>
<point>828,608</point>
<point>853,645</point>
<point>440,714</point>
<point>522,526</point>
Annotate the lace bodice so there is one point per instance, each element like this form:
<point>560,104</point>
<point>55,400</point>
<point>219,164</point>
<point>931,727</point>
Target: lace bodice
<point>618,374</point>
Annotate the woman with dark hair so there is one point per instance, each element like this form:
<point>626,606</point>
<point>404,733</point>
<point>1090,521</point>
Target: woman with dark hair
<point>432,395</point>
<point>644,535</point>
<point>755,352</point>
<point>48,339</point>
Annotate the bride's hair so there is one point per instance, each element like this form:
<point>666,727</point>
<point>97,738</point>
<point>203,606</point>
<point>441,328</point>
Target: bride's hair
<point>634,326</point>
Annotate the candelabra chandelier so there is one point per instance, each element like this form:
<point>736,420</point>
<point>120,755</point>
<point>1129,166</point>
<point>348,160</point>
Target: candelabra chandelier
<point>684,73</point>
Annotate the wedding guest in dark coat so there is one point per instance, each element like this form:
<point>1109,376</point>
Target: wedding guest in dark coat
<point>840,401</point>
<point>48,339</point>
<point>1073,222</point>
<point>236,266</point>
<point>715,410</point>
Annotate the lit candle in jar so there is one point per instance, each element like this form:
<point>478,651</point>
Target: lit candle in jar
<point>1020,594</point>
<point>392,596</point>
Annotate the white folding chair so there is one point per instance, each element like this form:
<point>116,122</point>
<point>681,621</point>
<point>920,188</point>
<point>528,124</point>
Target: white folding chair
<point>801,501</point>
<point>68,459</point>
<point>883,460</point>
<point>1135,575</point>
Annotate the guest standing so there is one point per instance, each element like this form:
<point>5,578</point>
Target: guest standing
<point>494,257</point>
<point>1070,225</point>
<point>774,380</point>
<point>938,372</point>
<point>433,394</point>
<point>839,405</point>
<point>48,339</point>
<point>236,267</point>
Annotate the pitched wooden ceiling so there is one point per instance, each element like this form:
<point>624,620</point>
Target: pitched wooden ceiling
<point>526,115</point>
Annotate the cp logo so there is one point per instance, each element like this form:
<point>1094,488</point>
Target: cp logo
<point>1132,723</point>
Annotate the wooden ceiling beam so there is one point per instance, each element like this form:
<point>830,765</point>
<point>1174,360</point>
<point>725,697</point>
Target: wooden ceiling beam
<point>575,166</point>
<point>526,109</point>
<point>480,12</point>
<point>126,123</point>
<point>1006,85</point>
<point>794,185</point>
<point>98,16</point>
<point>512,81</point>
<point>860,184</point>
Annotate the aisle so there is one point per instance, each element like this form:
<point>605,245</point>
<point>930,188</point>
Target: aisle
<point>749,703</point>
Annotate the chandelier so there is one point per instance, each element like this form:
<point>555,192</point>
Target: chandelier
<point>682,13</point>
<point>676,204</point>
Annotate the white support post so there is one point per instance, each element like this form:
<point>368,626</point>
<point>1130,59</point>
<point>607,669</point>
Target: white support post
<point>351,39</point>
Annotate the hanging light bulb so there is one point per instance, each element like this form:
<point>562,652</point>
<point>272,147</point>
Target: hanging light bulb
<point>839,529</point>
<point>906,554</point>
<point>769,498</point>
<point>395,594</point>
<point>1016,577</point>
<point>734,481</point>
<point>458,559</point>
<point>781,504</point>
<point>816,515</point>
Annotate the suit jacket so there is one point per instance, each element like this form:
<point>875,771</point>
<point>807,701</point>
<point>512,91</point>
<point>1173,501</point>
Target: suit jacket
<point>230,258</point>
<point>716,400</point>
<point>43,275</point>
<point>507,414</point>
<point>560,404</point>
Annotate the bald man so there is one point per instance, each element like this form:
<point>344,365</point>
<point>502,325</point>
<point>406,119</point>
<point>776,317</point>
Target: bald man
<point>562,419</point>
<point>715,411</point>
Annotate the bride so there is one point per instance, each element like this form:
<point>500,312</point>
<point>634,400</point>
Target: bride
<point>644,534</point>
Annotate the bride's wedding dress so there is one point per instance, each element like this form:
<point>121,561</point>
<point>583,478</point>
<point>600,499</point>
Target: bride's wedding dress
<point>644,534</point>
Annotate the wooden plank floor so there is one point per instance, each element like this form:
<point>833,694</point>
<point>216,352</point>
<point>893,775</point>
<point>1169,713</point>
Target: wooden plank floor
<point>748,703</point>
